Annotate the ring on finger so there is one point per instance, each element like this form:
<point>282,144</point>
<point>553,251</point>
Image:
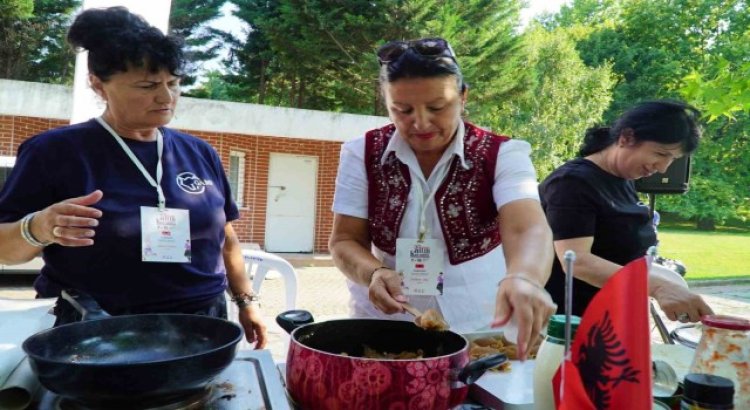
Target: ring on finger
<point>56,231</point>
<point>683,317</point>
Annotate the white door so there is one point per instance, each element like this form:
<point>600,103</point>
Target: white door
<point>290,210</point>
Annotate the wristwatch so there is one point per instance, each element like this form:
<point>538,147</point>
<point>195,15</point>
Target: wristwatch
<point>244,300</point>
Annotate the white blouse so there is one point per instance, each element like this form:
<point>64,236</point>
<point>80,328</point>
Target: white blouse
<point>469,288</point>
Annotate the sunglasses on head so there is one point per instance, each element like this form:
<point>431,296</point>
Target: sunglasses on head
<point>426,47</point>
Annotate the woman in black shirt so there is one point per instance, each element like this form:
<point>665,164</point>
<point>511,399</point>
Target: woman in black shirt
<point>592,206</point>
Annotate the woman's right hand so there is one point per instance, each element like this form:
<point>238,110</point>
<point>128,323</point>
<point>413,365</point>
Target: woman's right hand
<point>674,297</point>
<point>681,304</point>
<point>385,291</point>
<point>69,222</point>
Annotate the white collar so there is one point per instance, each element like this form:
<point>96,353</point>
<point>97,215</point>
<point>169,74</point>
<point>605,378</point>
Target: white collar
<point>402,149</point>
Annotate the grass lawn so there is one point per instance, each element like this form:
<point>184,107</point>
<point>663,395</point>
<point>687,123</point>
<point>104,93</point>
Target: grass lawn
<point>707,255</point>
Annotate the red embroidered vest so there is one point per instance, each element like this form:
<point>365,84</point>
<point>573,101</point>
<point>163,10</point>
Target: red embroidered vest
<point>465,206</point>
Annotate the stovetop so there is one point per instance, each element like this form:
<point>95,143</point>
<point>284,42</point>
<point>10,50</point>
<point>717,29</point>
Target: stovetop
<point>251,382</point>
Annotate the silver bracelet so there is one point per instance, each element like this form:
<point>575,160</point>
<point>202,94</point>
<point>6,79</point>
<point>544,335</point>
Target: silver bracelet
<point>529,280</point>
<point>26,232</point>
<point>375,270</point>
<point>244,300</point>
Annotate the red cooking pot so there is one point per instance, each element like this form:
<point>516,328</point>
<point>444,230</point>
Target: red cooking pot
<point>325,367</point>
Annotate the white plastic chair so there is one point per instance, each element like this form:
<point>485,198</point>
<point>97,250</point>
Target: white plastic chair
<point>258,266</point>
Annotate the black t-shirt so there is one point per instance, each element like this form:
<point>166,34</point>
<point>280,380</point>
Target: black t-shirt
<point>582,200</point>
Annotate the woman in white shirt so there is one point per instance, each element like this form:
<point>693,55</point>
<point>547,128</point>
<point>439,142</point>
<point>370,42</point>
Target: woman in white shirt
<point>442,194</point>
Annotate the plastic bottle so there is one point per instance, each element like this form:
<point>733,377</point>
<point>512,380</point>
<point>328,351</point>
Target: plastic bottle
<point>548,360</point>
<point>724,350</point>
<point>707,392</point>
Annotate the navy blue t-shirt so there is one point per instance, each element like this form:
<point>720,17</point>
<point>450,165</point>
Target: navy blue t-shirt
<point>75,160</point>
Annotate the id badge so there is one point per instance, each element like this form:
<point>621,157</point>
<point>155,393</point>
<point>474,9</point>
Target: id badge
<point>421,264</point>
<point>165,235</point>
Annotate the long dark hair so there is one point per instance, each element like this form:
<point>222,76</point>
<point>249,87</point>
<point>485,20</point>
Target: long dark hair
<point>117,39</point>
<point>661,121</point>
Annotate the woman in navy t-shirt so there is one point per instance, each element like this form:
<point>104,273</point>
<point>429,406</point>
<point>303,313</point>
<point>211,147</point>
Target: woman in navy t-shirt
<point>136,215</point>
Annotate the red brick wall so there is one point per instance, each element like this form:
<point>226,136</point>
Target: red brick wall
<point>251,225</point>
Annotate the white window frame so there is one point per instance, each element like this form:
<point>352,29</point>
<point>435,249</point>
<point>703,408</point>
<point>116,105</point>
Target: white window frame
<point>239,194</point>
<point>6,162</point>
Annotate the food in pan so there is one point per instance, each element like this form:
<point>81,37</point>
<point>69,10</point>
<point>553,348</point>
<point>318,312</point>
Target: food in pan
<point>371,353</point>
<point>431,320</point>
<point>496,344</point>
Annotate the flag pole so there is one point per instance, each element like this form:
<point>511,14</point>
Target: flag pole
<point>660,326</point>
<point>570,258</point>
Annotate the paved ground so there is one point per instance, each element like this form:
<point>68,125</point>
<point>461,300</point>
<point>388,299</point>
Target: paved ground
<point>323,292</point>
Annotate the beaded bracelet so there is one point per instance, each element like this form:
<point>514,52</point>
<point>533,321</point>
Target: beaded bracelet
<point>26,232</point>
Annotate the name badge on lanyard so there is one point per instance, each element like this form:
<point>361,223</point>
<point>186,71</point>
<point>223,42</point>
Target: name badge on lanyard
<point>165,232</point>
<point>420,261</point>
<point>421,264</point>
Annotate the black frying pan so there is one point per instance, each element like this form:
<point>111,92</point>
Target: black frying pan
<point>124,359</point>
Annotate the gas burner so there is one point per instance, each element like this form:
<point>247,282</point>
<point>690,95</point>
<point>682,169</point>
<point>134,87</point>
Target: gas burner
<point>252,381</point>
<point>189,401</point>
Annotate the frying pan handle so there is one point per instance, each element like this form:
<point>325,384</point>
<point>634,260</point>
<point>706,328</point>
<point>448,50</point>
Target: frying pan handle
<point>84,304</point>
<point>292,319</point>
<point>474,370</point>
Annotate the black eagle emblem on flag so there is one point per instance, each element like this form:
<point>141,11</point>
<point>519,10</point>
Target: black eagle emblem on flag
<point>604,363</point>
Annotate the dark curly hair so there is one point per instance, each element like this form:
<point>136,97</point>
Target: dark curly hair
<point>117,40</point>
<point>660,121</point>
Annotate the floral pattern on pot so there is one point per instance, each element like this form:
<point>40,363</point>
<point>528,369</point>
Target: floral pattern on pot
<point>324,381</point>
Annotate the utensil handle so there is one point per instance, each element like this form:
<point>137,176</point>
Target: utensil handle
<point>86,305</point>
<point>411,309</point>
<point>292,319</point>
<point>474,370</point>
<point>663,331</point>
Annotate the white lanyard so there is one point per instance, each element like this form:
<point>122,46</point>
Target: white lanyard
<point>159,149</point>
<point>442,171</point>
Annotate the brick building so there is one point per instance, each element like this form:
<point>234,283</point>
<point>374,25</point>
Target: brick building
<point>272,155</point>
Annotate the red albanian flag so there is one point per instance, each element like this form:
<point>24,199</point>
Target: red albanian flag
<point>611,351</point>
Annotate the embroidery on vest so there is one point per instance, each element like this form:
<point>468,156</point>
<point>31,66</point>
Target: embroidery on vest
<point>464,202</point>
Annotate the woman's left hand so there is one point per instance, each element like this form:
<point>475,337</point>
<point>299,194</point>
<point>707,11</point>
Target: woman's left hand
<point>529,304</point>
<point>255,329</point>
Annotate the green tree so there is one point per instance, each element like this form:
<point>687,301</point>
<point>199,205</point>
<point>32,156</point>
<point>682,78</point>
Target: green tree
<point>566,98</point>
<point>188,19</point>
<point>319,54</point>
<point>668,48</point>
<point>32,40</point>
<point>721,86</point>
<point>16,9</point>
<point>722,94</point>
<point>489,50</point>
<point>308,54</point>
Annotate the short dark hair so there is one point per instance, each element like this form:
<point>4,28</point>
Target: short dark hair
<point>117,39</point>
<point>411,64</point>
<point>661,121</point>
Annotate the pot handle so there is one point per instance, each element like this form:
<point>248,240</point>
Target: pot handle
<point>474,370</point>
<point>292,319</point>
<point>84,304</point>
